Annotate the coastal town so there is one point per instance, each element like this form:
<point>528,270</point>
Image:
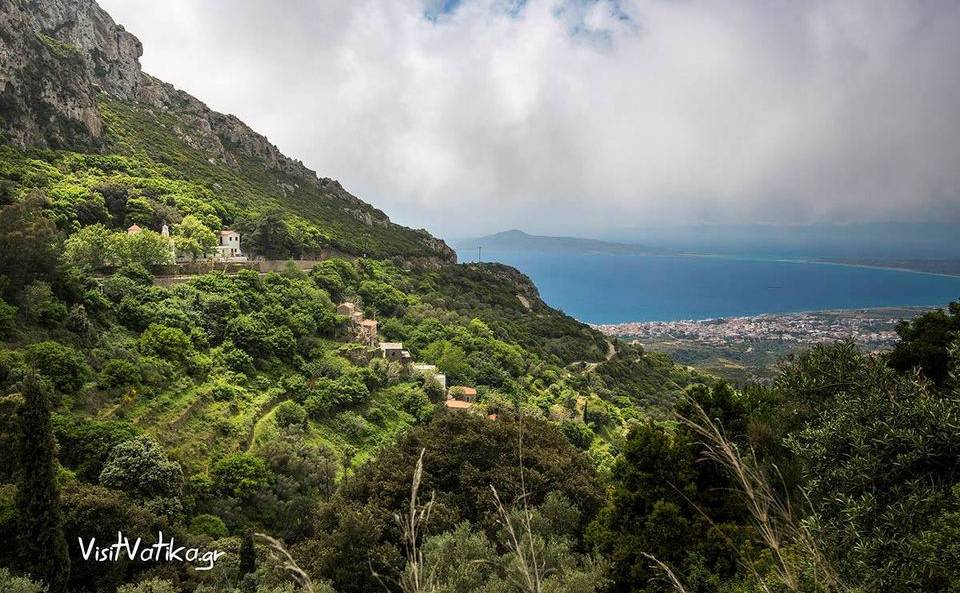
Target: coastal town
<point>872,328</point>
<point>748,348</point>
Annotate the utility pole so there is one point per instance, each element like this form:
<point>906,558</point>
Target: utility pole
<point>479,251</point>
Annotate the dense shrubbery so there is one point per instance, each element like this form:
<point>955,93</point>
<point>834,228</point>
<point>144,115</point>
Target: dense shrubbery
<point>232,403</point>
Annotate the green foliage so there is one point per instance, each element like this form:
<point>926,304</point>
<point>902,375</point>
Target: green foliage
<point>41,306</point>
<point>98,512</point>
<point>290,414</point>
<point>140,468</point>
<point>149,586</point>
<point>670,502</point>
<point>28,244</point>
<point>16,584</point>
<point>193,238</point>
<point>467,560</point>
<point>170,343</point>
<point>878,450</point>
<point>64,367</point>
<point>59,48</point>
<point>208,525</point>
<point>145,248</point>
<point>924,343</point>
<point>85,445</point>
<point>8,315</point>
<point>490,293</point>
<point>42,546</point>
<point>91,248</point>
<point>384,298</point>
<point>464,456</point>
<point>241,475</point>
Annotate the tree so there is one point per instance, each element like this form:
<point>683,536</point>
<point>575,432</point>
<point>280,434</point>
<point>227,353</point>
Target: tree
<point>140,468</point>
<point>248,555</point>
<point>42,546</point>
<point>269,236</point>
<point>194,239</point>
<point>169,343</point>
<point>146,248</point>
<point>924,341</point>
<point>90,248</point>
<point>290,414</point>
<point>14,584</point>
<point>240,475</point>
<point>464,455</point>
<point>63,366</point>
<point>28,244</point>
<point>880,463</point>
<point>668,500</point>
<point>85,445</point>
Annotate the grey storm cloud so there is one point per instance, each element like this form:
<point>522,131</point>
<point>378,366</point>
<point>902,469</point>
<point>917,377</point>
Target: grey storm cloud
<point>580,116</point>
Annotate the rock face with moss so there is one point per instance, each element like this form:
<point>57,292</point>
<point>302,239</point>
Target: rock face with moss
<point>66,67</point>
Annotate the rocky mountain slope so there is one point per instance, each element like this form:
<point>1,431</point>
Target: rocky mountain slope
<point>65,65</point>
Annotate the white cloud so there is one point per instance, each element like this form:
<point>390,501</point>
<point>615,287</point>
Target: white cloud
<point>578,116</point>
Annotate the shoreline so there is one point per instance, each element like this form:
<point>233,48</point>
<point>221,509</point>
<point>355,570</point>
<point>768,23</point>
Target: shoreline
<point>918,309</point>
<point>869,263</point>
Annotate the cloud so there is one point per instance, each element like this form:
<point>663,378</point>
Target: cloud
<point>581,116</point>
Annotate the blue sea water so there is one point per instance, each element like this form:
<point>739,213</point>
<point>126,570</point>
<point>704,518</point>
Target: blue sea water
<point>604,288</point>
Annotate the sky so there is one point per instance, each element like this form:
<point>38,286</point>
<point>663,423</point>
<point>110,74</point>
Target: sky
<point>588,117</point>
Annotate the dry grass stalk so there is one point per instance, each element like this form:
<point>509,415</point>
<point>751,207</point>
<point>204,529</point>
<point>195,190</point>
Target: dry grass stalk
<point>278,552</point>
<point>668,572</point>
<point>522,543</point>
<point>773,517</point>
<point>413,525</point>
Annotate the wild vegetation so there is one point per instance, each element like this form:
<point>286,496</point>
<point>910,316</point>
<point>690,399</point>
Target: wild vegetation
<point>234,404</point>
<point>236,412</point>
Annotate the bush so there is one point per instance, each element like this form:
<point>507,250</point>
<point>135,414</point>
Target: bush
<point>85,445</point>
<point>170,343</point>
<point>41,306</point>
<point>8,314</point>
<point>220,389</point>
<point>119,373</point>
<point>149,586</point>
<point>14,584</point>
<point>208,525</point>
<point>233,358</point>
<point>141,469</point>
<point>290,414</point>
<point>240,475</point>
<point>62,365</point>
<point>579,435</point>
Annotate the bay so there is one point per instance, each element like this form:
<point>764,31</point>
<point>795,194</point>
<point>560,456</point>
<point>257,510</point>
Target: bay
<point>614,288</point>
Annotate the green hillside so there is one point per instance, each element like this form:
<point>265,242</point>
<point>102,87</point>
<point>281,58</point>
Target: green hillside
<point>149,175</point>
<point>250,418</point>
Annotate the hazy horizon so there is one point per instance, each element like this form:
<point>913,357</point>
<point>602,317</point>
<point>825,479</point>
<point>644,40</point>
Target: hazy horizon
<point>882,240</point>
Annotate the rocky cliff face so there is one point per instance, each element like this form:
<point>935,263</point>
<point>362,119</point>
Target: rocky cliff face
<point>58,56</point>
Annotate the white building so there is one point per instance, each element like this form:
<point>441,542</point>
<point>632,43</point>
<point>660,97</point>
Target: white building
<point>394,351</point>
<point>229,246</point>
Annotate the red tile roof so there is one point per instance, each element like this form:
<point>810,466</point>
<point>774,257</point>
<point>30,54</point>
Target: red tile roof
<point>457,404</point>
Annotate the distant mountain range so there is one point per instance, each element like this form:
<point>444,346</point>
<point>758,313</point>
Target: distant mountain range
<point>517,240</point>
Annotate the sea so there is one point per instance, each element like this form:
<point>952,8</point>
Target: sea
<point>607,288</point>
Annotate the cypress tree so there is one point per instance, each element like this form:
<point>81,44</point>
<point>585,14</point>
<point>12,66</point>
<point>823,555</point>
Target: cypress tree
<point>248,555</point>
<point>43,547</point>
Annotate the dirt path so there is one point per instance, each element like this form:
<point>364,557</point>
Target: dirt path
<point>611,350</point>
<point>263,413</point>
